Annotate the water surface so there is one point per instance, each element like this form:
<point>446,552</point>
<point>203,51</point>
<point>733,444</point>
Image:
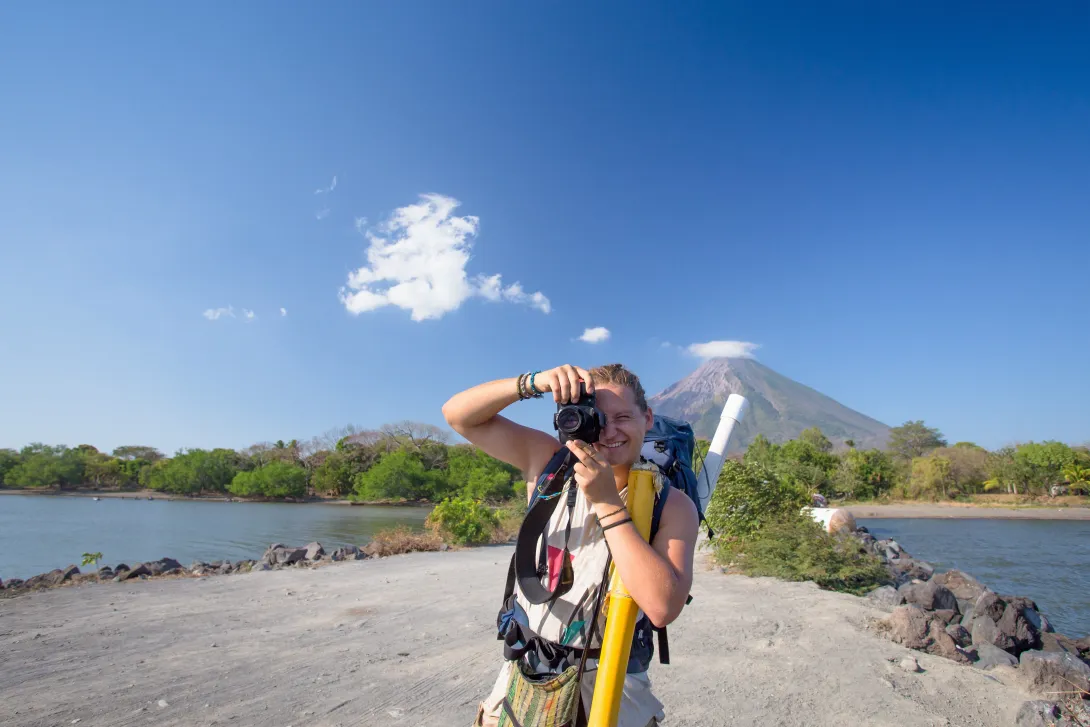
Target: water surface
<point>40,533</point>
<point>1047,560</point>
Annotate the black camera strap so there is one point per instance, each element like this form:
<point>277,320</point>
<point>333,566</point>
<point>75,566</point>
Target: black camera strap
<point>533,527</point>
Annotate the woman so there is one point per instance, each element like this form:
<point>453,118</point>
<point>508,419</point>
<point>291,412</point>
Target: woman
<point>658,575</point>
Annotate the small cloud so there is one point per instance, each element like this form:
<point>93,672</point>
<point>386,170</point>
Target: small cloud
<point>417,261</point>
<point>595,335</point>
<point>361,225</point>
<point>249,315</point>
<point>283,312</point>
<point>723,349</point>
<point>666,344</point>
<point>322,213</point>
<point>330,188</point>
<point>214,314</point>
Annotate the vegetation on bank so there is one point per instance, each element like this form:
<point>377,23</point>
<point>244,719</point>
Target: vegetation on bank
<point>400,462</point>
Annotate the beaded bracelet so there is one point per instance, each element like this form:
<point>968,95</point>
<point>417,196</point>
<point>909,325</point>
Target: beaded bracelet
<point>520,391</point>
<point>536,394</point>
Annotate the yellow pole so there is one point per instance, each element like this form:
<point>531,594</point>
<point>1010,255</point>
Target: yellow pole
<point>621,616</point>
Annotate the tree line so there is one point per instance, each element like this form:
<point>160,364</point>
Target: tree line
<point>404,461</point>
<point>415,462</point>
<point>918,463</point>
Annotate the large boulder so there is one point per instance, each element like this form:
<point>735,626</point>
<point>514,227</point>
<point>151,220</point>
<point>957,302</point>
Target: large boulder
<point>1054,672</point>
<point>1058,642</point>
<point>887,596</point>
<point>990,605</point>
<point>347,552</point>
<point>1018,631</point>
<point>908,625</point>
<point>284,556</point>
<point>943,645</point>
<point>959,634</point>
<point>1038,714</point>
<point>985,631</point>
<point>947,616</point>
<point>930,596</point>
<point>314,551</point>
<point>963,586</point>
<point>70,571</point>
<point>140,570</point>
<point>989,655</point>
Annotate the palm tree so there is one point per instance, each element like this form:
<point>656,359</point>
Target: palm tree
<point>1078,476</point>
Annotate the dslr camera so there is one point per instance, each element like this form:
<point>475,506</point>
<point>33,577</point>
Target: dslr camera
<point>580,420</point>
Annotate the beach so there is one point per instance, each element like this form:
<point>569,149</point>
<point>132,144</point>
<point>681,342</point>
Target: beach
<point>410,640</point>
<point>967,511</point>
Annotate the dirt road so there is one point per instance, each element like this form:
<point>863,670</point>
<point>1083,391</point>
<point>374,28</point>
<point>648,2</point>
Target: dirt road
<point>410,640</point>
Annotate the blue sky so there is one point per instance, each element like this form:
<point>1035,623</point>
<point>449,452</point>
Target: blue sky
<point>892,203</point>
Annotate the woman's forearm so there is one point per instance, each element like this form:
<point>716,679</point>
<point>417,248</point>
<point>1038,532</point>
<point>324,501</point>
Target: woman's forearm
<point>478,405</point>
<point>650,579</point>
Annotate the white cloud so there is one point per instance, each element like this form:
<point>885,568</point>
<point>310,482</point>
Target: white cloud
<point>283,311</point>
<point>417,262</point>
<point>214,314</point>
<point>595,335</point>
<point>666,344</point>
<point>249,315</point>
<point>361,225</point>
<point>322,213</point>
<point>330,188</point>
<point>723,349</point>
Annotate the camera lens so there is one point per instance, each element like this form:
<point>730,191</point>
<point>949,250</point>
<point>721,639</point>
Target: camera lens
<point>569,420</point>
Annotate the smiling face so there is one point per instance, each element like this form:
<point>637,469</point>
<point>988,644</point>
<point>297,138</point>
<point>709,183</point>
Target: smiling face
<point>626,423</point>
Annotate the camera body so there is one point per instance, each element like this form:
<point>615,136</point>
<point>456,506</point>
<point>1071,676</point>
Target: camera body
<point>579,420</point>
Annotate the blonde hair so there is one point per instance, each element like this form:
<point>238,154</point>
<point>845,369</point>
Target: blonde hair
<point>617,375</point>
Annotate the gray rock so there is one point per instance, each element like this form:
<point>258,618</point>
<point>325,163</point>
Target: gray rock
<point>984,631</point>
<point>989,655</point>
<point>287,556</point>
<point>959,634</point>
<point>887,595</point>
<point>120,567</point>
<point>910,664</point>
<point>962,585</point>
<point>1037,620</point>
<point>908,625</point>
<point>1015,628</point>
<point>261,565</point>
<point>15,583</point>
<point>930,596</point>
<point>943,645</point>
<point>1054,672</point>
<point>990,605</point>
<point>69,572</point>
<point>1038,714</point>
<point>968,614</point>
<point>314,551</point>
<point>1058,642</point>
<point>947,616</point>
<point>140,570</point>
<point>105,573</point>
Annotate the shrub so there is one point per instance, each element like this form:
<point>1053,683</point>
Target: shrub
<point>795,548</point>
<point>463,521</point>
<point>747,497</point>
<point>401,539</point>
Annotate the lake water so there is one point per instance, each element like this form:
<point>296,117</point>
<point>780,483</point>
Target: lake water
<point>38,534</point>
<point>1046,560</point>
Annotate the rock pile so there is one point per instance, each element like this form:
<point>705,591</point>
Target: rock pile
<point>277,556</point>
<point>955,616</point>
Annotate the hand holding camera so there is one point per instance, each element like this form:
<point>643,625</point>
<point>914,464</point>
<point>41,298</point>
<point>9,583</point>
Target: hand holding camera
<point>563,381</point>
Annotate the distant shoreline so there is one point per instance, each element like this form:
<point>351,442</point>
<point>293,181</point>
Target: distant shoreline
<point>155,495</point>
<point>954,511</point>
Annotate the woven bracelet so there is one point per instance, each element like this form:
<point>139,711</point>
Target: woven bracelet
<point>619,522</point>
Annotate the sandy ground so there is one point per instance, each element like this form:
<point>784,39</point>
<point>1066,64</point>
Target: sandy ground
<point>945,510</point>
<point>410,640</point>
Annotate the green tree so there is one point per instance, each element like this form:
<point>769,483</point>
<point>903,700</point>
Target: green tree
<point>276,479</point>
<point>102,470</point>
<point>194,471</point>
<point>464,521</point>
<point>817,439</point>
<point>9,458</point>
<point>399,475</point>
<point>748,497</point>
<point>474,474</point>
<point>931,476</point>
<point>41,465</point>
<point>1078,477</point>
<point>138,452</point>
<point>914,439</point>
<point>865,474</point>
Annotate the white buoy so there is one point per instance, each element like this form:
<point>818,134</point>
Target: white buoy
<point>733,412</point>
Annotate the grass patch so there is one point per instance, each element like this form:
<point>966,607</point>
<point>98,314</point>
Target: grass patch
<point>798,549</point>
<point>402,539</point>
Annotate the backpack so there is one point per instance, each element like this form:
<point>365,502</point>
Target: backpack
<point>670,444</point>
